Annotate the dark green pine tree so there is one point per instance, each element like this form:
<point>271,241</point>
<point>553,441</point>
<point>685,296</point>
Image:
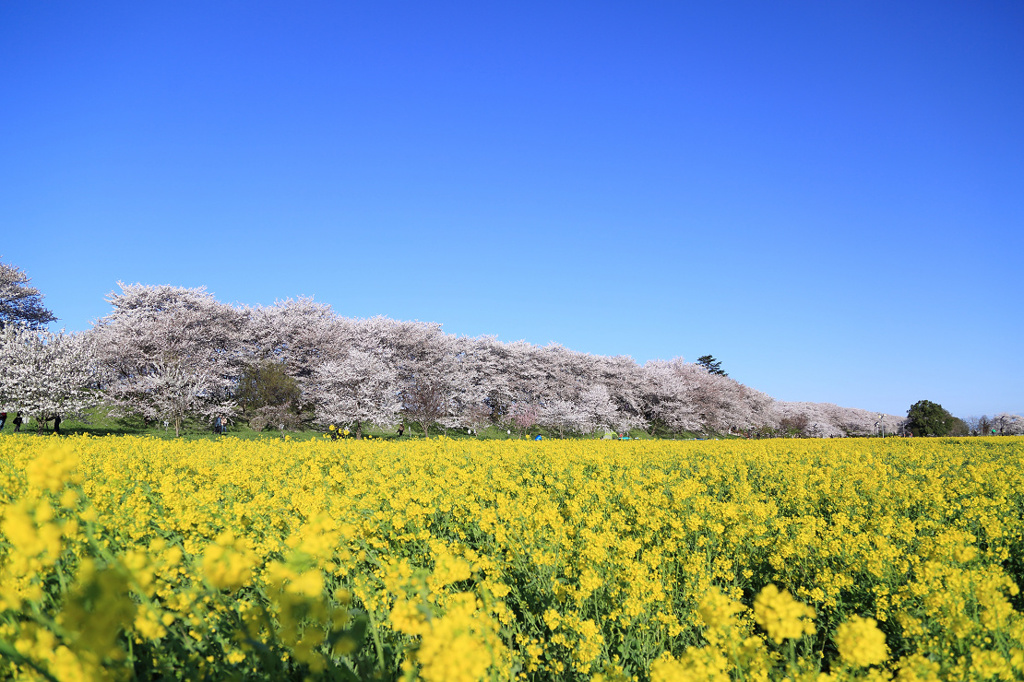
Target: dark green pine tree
<point>713,366</point>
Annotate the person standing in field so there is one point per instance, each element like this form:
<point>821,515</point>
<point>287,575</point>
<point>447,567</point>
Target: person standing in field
<point>217,425</point>
<point>3,420</point>
<point>18,421</point>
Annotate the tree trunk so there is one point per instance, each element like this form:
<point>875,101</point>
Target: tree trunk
<point>359,430</point>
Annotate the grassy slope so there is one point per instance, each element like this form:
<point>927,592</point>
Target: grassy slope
<point>98,422</point>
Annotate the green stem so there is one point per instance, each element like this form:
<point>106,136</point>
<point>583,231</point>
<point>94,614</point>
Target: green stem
<point>376,641</point>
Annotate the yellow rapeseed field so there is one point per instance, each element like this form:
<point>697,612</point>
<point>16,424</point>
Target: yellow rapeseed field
<point>137,558</point>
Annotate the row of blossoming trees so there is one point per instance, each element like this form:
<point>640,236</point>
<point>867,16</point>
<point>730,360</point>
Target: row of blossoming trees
<point>171,353</point>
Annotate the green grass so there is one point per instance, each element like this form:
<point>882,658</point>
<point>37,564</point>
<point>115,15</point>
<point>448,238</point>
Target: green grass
<point>99,422</point>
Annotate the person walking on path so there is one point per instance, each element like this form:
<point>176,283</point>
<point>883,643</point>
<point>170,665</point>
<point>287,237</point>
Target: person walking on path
<point>3,420</point>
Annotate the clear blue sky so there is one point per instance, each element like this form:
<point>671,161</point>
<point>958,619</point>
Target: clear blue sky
<point>827,196</point>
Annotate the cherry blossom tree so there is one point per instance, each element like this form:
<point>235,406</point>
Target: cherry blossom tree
<point>356,389</point>
<point>811,420</point>
<point>299,333</point>
<point>523,416</point>
<point>424,359</point>
<point>561,384</point>
<point>686,396</point>
<point>525,370</point>
<point>19,302</point>
<point>624,380</point>
<point>476,416</point>
<point>1007,424</point>
<point>589,411</point>
<point>562,416</point>
<point>425,401</point>
<point>667,396</point>
<point>488,367</point>
<point>471,385</point>
<point>826,420</point>
<point>169,352</point>
<point>45,375</point>
<point>723,404</point>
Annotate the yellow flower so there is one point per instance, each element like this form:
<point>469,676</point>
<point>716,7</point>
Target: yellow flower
<point>113,542</point>
<point>407,617</point>
<point>227,563</point>
<point>781,616</point>
<point>552,618</point>
<point>860,642</point>
<point>718,610</point>
<point>696,665</point>
<point>449,569</point>
<point>148,624</point>
<point>53,469</point>
<point>461,646</point>
<point>309,584</point>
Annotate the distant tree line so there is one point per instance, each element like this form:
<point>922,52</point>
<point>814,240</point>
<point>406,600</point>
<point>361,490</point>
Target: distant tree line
<point>175,354</point>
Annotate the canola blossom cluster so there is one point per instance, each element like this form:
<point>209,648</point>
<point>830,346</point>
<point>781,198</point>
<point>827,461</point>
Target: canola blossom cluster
<point>137,558</point>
